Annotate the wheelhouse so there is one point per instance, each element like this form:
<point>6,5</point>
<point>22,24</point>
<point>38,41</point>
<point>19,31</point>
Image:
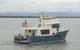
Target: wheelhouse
<point>46,27</point>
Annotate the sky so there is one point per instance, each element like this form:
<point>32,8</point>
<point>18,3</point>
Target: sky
<point>37,5</point>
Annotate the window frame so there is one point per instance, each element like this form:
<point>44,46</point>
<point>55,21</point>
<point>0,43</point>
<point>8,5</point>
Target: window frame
<point>56,25</point>
<point>45,33</point>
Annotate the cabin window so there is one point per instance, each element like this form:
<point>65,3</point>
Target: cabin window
<point>55,25</point>
<point>44,31</point>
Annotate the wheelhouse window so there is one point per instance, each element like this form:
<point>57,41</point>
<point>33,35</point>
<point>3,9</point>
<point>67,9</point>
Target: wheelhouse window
<point>44,31</point>
<point>55,25</point>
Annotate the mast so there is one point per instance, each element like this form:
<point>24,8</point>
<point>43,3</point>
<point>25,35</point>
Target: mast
<point>41,18</point>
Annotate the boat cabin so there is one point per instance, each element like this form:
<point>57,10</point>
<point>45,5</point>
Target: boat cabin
<point>48,26</point>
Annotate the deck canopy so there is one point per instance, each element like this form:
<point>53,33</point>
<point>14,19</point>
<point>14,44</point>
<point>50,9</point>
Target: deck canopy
<point>34,28</point>
<point>50,20</point>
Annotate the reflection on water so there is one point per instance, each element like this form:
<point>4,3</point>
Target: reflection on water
<point>48,46</point>
<point>10,26</point>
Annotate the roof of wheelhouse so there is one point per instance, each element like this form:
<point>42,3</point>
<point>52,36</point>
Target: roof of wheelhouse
<point>50,20</point>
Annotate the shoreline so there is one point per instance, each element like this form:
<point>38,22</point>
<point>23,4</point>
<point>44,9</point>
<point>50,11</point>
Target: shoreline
<point>38,16</point>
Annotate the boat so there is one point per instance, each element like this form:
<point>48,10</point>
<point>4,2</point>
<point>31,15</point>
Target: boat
<point>48,29</point>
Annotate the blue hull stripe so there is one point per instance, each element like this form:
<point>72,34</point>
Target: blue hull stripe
<point>59,36</point>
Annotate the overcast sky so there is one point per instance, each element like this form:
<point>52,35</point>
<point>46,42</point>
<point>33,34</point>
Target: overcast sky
<point>35,5</point>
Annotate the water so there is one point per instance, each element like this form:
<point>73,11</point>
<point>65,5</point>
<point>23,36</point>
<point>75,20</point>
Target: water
<point>10,26</point>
